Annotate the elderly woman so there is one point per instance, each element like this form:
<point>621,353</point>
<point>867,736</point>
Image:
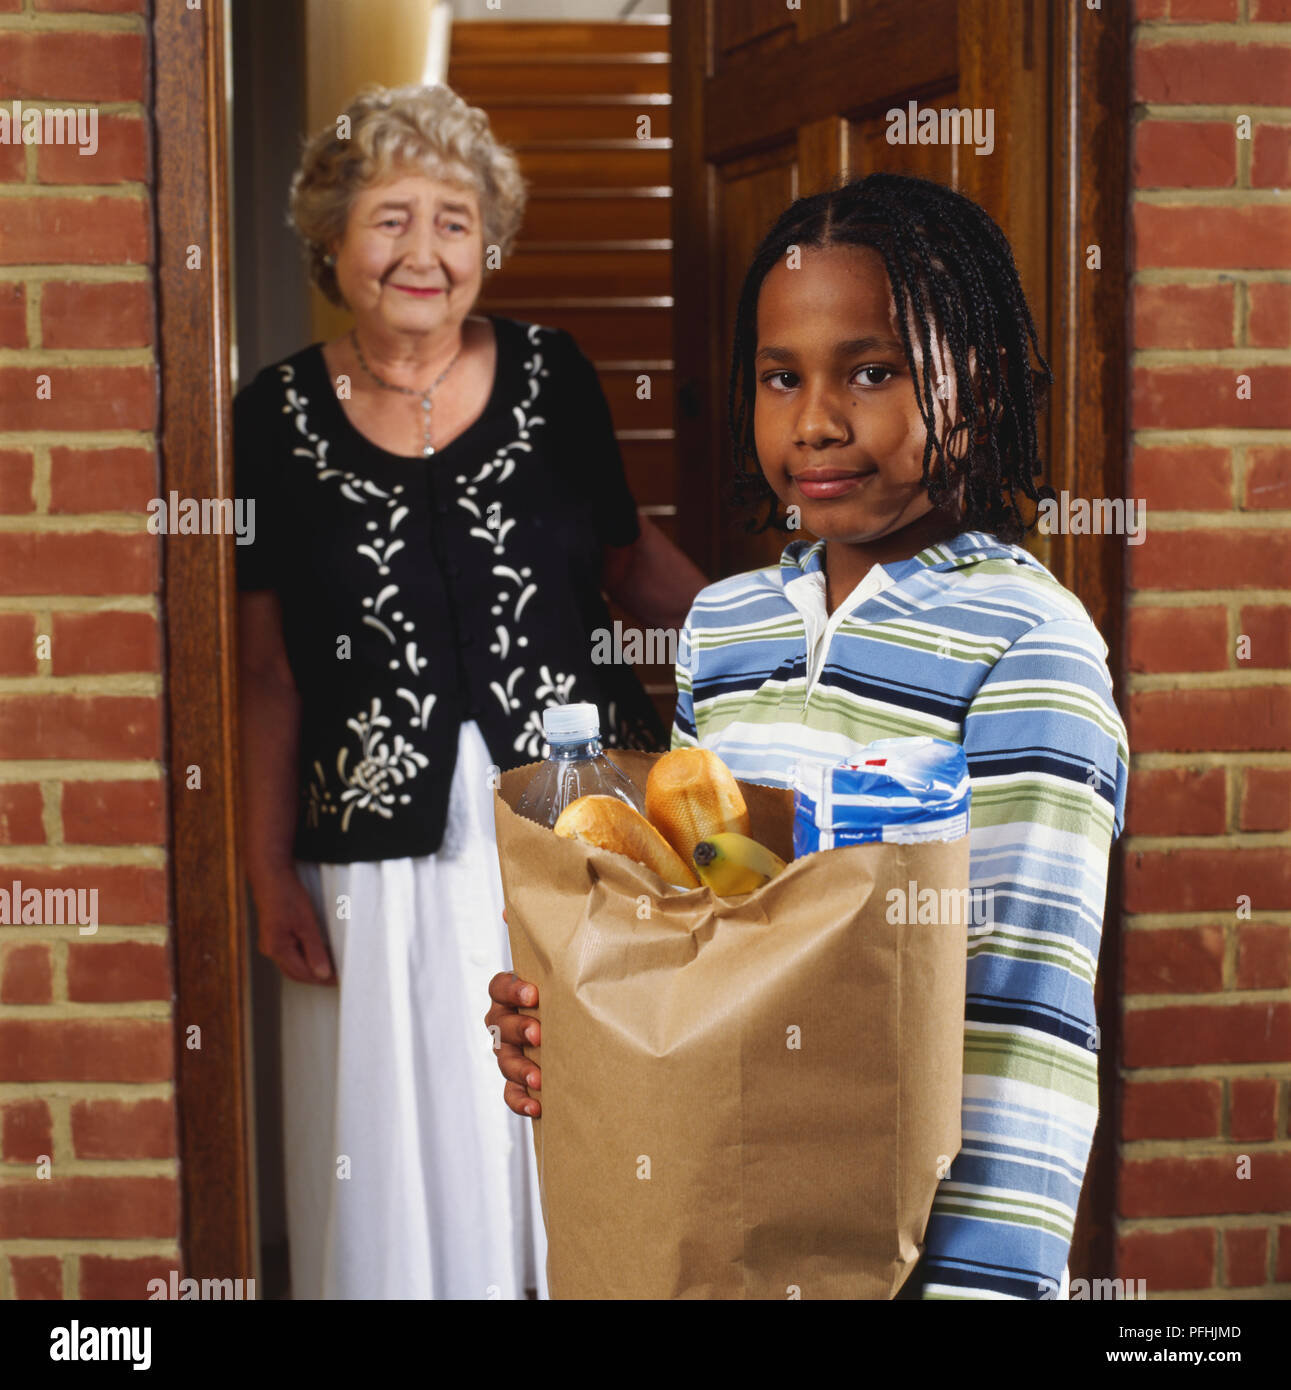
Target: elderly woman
<point>439,502</point>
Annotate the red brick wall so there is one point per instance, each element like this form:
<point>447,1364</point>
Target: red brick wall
<point>85,1020</point>
<point>1205,1157</point>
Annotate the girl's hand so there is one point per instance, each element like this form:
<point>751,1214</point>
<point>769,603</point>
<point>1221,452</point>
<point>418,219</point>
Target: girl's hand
<point>511,1030</point>
<point>289,930</point>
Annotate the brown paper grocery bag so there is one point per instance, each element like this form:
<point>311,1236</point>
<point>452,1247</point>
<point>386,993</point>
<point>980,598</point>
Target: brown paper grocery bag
<point>748,1097</point>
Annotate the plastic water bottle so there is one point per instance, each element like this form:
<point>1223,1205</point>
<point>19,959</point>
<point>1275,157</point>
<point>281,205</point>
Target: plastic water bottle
<point>575,766</point>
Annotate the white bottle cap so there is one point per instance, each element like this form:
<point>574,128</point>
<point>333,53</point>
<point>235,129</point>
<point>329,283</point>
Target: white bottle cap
<point>571,723</point>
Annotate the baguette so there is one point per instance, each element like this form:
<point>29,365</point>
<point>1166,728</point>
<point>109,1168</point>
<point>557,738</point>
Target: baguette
<point>690,796</point>
<point>605,822</point>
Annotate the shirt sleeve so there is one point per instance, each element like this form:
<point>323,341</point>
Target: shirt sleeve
<point>683,724</point>
<point>591,458</point>
<point>1048,758</point>
<point>254,477</point>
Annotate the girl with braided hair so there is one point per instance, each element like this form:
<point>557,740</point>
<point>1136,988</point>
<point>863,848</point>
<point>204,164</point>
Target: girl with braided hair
<point>883,398</point>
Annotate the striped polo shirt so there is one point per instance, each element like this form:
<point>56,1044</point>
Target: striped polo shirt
<point>973,641</point>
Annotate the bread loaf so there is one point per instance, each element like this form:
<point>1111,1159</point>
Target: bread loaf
<point>608,823</point>
<point>691,795</point>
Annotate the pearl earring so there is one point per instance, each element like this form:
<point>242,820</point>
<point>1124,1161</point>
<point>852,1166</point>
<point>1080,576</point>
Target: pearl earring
<point>329,259</point>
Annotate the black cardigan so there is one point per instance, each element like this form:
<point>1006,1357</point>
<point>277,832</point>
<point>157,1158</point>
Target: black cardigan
<point>417,593</point>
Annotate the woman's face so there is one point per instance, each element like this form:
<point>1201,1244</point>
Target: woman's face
<point>412,257</point>
<point>836,422</point>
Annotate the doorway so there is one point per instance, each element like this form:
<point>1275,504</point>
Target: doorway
<point>762,106</point>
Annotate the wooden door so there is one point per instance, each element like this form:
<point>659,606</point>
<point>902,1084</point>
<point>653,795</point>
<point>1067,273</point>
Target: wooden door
<point>772,103</point>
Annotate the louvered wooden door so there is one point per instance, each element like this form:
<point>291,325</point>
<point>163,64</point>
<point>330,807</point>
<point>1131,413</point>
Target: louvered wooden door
<point>586,107</point>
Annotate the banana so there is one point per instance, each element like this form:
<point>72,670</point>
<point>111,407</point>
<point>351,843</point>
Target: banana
<point>731,863</point>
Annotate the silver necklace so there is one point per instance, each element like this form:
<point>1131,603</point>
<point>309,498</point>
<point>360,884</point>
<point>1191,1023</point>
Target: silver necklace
<point>427,448</point>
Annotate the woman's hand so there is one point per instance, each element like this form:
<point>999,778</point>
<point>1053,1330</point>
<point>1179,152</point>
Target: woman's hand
<point>511,1030</point>
<point>289,930</point>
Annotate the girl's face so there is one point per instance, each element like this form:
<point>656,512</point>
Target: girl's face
<point>836,424</point>
<point>411,259</point>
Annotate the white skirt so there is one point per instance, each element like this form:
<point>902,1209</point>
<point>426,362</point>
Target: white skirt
<point>407,1175</point>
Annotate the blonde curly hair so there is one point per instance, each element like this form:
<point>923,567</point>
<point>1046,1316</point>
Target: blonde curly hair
<point>427,130</point>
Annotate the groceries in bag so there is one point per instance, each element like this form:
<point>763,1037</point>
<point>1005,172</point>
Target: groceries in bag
<point>605,822</point>
<point>749,1155</point>
<point>694,829</point>
<point>690,795</point>
<point>575,766</point>
<point>893,791</point>
<point>730,863</point>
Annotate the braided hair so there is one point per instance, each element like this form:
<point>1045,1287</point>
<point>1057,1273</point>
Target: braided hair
<point>949,263</point>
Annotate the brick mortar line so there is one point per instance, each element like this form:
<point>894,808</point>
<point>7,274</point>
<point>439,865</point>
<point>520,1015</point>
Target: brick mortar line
<point>77,856</point>
<point>51,817</point>
<point>52,604</point>
<point>1238,356</point>
<point>1207,31</point>
<point>42,483</point>
<point>97,439</point>
<point>1218,112</point>
<point>58,954</point>
<point>1266,518</point>
<point>75,274</point>
<point>46,936</point>
<point>1245,839</point>
<point>1139,681</point>
<point>34,298</point>
<point>1207,277</point>
<point>136,1246</point>
<point>78,523</point>
<point>88,1090</point>
<point>82,769</point>
<point>1236,1221</point>
<point>141,683</point>
<point>78,1011</point>
<point>83,357</point>
<point>1196,1071</point>
<point>44,624</point>
<point>1196,1147</point>
<point>71,846</point>
<point>1272,995</point>
<point>1150,921</point>
<point>1232,599</point>
<point>1212,436</point>
<point>125,190</point>
<point>1192,598</point>
<point>1154,1003</point>
<point>1229,199</point>
<point>99,1168</point>
<point>104,108</point>
<point>1153,109</point>
<point>75,23</point>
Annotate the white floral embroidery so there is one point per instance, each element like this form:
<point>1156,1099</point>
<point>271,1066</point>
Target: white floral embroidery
<point>372,785</point>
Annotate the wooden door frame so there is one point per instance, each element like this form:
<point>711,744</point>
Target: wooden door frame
<point>1088,142</point>
<point>208,933</point>
<point>1090,117</point>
